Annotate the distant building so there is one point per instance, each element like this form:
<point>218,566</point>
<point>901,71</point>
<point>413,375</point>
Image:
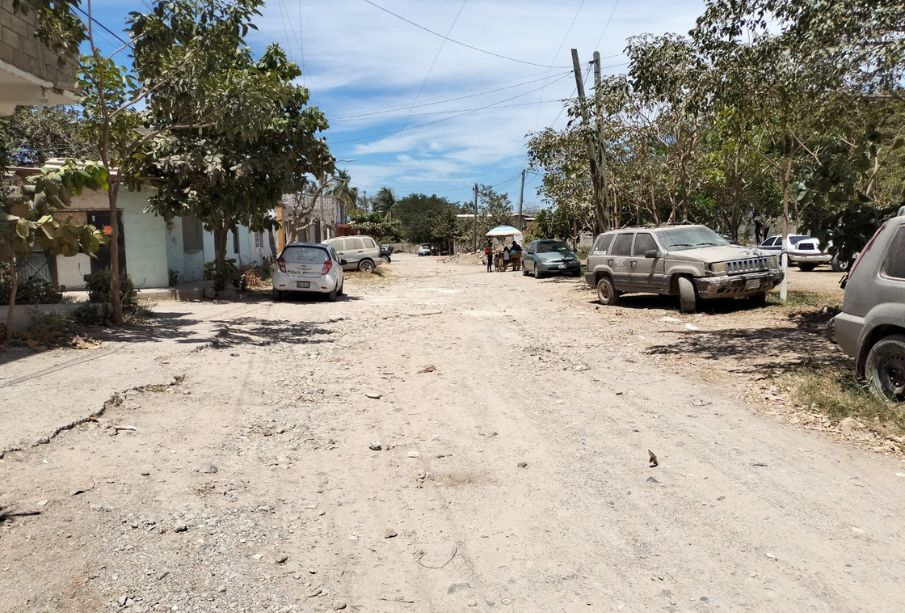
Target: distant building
<point>30,72</point>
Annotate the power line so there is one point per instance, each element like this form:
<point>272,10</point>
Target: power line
<point>103,27</point>
<point>607,26</point>
<point>425,114</point>
<point>454,41</point>
<point>445,100</point>
<point>390,133</point>
<point>430,68</point>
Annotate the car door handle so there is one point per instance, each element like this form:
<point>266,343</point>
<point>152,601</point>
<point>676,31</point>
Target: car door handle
<point>633,262</point>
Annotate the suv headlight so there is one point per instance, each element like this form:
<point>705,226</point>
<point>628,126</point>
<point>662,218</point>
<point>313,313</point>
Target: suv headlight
<point>718,268</point>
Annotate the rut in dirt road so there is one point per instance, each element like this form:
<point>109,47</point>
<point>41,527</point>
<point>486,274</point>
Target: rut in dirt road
<point>445,440</point>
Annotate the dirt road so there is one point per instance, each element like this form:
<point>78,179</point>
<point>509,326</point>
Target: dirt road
<point>443,440</point>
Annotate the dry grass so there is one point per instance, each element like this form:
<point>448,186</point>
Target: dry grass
<point>799,298</point>
<point>838,394</point>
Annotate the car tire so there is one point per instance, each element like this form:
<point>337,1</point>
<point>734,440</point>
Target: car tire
<point>538,274</point>
<point>524,271</point>
<point>840,265</point>
<point>758,300</point>
<point>884,368</point>
<point>606,292</point>
<point>688,297</point>
<point>806,267</point>
<point>366,266</point>
<point>342,289</point>
<point>331,297</point>
<point>577,273</point>
<point>277,295</point>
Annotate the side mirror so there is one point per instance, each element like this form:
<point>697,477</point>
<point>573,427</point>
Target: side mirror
<point>652,254</point>
<point>343,262</point>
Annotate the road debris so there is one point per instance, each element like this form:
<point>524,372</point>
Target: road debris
<point>652,458</point>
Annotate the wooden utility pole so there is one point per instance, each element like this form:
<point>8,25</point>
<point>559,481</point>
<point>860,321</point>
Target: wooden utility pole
<point>521,202</point>
<point>595,147</point>
<point>475,217</point>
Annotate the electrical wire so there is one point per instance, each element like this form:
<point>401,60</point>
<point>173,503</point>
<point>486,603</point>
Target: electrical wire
<point>454,41</point>
<point>607,26</point>
<point>443,112</point>
<point>103,27</point>
<point>445,100</point>
<point>390,133</point>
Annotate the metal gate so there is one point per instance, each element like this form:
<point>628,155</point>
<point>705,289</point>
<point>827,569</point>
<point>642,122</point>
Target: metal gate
<point>37,264</point>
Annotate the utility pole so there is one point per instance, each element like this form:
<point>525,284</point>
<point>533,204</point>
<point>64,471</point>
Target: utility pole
<point>602,166</point>
<point>595,147</point>
<point>475,218</point>
<point>521,202</point>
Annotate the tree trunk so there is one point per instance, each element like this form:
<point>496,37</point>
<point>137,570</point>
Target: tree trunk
<point>220,234</point>
<point>13,287</point>
<point>115,295</point>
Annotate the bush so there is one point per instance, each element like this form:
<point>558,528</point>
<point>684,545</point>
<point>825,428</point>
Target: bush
<point>31,291</point>
<point>230,272</point>
<point>98,284</point>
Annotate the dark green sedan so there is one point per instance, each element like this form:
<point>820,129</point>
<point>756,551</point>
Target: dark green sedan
<point>550,257</point>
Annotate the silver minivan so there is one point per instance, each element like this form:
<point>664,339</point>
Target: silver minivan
<point>871,326</point>
<point>356,252</point>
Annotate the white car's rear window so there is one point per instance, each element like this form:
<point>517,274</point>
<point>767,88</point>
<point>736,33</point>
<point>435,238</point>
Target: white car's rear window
<point>304,255</point>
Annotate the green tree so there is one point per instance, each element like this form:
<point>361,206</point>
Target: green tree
<point>35,134</point>
<point>497,207</point>
<point>192,57</point>
<point>426,219</point>
<point>384,201</point>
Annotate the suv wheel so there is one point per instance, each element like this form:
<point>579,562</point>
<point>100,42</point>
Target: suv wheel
<point>366,266</point>
<point>606,292</point>
<point>758,300</point>
<point>688,298</point>
<point>807,267</point>
<point>885,367</point>
<point>839,264</point>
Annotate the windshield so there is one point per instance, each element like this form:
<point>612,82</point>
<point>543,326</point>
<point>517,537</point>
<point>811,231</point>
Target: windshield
<point>304,255</point>
<point>552,247</point>
<point>692,237</point>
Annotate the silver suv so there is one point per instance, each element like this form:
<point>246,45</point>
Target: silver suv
<point>871,326</point>
<point>691,262</point>
<point>356,252</point>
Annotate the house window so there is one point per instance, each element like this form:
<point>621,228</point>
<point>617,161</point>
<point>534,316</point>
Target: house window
<point>236,241</point>
<point>259,240</point>
<point>192,238</point>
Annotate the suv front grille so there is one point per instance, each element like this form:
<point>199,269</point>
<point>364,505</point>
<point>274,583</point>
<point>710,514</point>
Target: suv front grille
<point>736,267</point>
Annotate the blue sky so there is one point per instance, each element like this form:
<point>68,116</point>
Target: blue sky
<point>421,114</point>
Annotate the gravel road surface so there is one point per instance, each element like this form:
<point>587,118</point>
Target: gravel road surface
<point>442,440</point>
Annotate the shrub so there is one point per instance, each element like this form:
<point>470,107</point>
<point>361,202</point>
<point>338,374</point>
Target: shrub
<point>230,272</point>
<point>98,284</point>
<point>31,291</point>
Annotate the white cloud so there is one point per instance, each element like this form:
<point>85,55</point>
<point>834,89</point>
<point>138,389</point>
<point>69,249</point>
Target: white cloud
<point>360,60</point>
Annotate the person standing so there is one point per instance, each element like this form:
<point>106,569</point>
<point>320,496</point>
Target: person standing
<point>506,256</point>
<point>515,254</point>
<point>488,255</point>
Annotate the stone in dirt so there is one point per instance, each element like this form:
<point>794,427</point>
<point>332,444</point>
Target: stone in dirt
<point>280,558</point>
<point>208,469</point>
<point>373,395</point>
<point>339,605</point>
<point>181,528</point>
<point>375,446</point>
<point>390,533</point>
<point>652,480</point>
<point>849,425</point>
<point>522,464</point>
<point>427,369</point>
<point>413,454</point>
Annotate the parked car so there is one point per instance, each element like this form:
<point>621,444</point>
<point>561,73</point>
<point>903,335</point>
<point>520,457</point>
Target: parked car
<point>356,252</point>
<point>424,250</point>
<point>871,326</point>
<point>308,268</point>
<point>550,257</point>
<point>803,250</point>
<point>691,262</point>
<point>386,252</point>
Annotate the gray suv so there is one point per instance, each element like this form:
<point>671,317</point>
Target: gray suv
<point>691,262</point>
<point>871,326</point>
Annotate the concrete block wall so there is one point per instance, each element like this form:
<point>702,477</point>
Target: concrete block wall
<point>20,47</point>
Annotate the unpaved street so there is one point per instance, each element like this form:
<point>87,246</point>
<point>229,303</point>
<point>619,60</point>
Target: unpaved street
<point>513,419</point>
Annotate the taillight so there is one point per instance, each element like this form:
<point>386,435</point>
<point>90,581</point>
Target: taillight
<point>328,266</point>
<point>282,264</point>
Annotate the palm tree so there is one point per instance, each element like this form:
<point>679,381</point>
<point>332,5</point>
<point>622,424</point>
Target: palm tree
<point>384,202</point>
<point>343,191</point>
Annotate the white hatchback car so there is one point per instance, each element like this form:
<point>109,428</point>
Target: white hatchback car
<point>308,268</point>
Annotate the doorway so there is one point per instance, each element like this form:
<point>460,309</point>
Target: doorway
<point>101,221</point>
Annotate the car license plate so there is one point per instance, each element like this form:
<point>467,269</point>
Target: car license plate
<point>562,266</point>
<point>303,284</point>
<point>753,284</point>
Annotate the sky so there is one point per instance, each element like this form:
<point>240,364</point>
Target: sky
<point>419,113</point>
